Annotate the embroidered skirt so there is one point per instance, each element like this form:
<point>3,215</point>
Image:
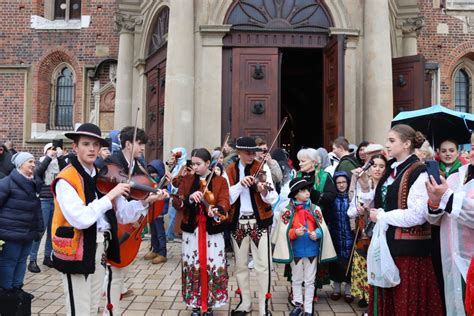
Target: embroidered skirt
<point>417,293</point>
<point>360,286</point>
<point>216,267</point>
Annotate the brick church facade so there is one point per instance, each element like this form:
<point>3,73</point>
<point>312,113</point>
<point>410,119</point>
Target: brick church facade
<point>64,62</point>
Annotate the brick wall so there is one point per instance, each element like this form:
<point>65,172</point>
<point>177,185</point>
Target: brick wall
<point>43,51</point>
<point>445,49</point>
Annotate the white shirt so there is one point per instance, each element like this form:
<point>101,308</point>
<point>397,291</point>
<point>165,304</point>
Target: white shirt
<point>83,216</point>
<point>239,190</point>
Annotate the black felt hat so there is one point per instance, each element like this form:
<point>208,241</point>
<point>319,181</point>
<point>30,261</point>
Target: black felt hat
<point>88,129</point>
<point>247,144</point>
<point>298,184</point>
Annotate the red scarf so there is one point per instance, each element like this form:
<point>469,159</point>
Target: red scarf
<point>304,215</point>
<point>202,246</point>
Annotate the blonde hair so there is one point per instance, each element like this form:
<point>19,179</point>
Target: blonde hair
<point>428,150</point>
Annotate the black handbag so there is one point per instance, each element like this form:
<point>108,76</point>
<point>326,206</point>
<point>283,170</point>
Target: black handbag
<point>15,302</point>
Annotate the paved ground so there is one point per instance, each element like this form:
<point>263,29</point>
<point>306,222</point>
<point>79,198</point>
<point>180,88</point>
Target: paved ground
<point>157,290</point>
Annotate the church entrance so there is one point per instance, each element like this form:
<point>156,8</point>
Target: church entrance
<point>278,64</point>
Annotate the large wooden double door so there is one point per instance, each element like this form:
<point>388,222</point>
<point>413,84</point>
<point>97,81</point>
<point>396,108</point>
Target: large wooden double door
<point>155,94</point>
<point>251,91</point>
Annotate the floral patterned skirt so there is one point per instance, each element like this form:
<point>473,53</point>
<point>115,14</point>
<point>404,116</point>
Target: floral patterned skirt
<point>216,270</point>
<point>360,286</point>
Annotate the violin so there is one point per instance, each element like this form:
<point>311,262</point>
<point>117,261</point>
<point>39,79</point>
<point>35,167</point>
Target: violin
<point>209,201</point>
<point>363,225</point>
<point>111,175</point>
<point>261,177</point>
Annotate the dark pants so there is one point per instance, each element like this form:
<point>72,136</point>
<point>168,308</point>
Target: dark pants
<point>47,208</point>
<point>13,264</point>
<point>158,236</point>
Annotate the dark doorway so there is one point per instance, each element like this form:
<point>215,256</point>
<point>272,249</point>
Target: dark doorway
<point>302,99</point>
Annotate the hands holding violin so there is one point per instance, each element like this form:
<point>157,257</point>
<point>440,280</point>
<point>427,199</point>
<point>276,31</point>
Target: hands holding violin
<point>248,181</point>
<point>123,189</point>
<point>157,196</point>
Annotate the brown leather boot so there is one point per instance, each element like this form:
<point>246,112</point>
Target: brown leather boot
<point>150,255</point>
<point>159,259</point>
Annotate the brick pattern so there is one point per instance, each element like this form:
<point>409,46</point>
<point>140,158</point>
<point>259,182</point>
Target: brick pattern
<point>43,51</point>
<point>445,49</point>
<point>157,290</point>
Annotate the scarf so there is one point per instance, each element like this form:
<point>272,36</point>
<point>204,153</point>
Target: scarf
<point>320,177</point>
<point>302,211</point>
<point>454,168</point>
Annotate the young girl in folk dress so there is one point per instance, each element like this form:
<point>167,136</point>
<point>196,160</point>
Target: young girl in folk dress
<point>203,223</point>
<point>360,286</point>
<point>401,202</point>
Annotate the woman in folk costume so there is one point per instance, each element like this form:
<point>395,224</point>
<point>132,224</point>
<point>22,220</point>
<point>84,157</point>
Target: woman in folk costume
<point>451,204</point>
<point>401,201</point>
<point>360,203</point>
<point>203,224</point>
<point>302,239</point>
<point>322,193</point>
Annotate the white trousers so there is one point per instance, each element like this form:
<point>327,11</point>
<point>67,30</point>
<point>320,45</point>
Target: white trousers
<point>83,293</point>
<point>115,279</point>
<point>260,257</point>
<point>303,271</point>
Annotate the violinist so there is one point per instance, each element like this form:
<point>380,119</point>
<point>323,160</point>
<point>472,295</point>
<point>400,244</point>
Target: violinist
<point>204,207</point>
<point>84,225</point>
<point>177,167</point>
<point>358,209</point>
<point>125,159</point>
<point>250,218</point>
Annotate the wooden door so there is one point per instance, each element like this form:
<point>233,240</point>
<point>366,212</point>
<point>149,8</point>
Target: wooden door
<point>255,92</point>
<point>155,109</point>
<point>333,88</point>
<point>408,83</point>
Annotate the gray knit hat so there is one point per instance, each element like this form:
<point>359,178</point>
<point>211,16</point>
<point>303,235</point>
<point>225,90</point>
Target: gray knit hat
<point>20,158</point>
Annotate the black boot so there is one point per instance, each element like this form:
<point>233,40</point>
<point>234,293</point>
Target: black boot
<point>298,310</point>
<point>48,262</point>
<point>33,267</point>
<point>196,312</point>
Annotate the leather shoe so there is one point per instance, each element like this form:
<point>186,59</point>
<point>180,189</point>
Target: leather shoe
<point>238,313</point>
<point>196,312</point>
<point>33,267</point>
<point>159,259</point>
<point>297,310</point>
<point>208,313</point>
<point>348,298</point>
<point>48,262</point>
<point>335,296</point>
<point>362,303</point>
<point>150,255</point>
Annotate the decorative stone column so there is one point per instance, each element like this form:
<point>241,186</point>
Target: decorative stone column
<point>179,95</point>
<point>410,29</point>
<point>125,25</point>
<point>378,92</point>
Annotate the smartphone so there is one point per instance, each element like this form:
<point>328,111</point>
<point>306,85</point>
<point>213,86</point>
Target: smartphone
<point>188,163</point>
<point>433,170</point>
<point>58,143</point>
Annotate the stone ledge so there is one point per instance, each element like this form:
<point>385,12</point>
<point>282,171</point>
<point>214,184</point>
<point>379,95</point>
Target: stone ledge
<point>40,23</point>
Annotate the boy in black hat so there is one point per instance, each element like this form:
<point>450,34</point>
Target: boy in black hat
<point>250,217</point>
<point>84,219</point>
<point>302,227</point>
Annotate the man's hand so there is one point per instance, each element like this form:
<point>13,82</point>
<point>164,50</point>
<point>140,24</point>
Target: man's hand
<point>157,196</point>
<point>435,190</point>
<point>212,211</point>
<point>196,197</point>
<point>121,189</point>
<point>247,181</point>
<point>373,214</point>
<point>262,188</point>
<point>51,153</point>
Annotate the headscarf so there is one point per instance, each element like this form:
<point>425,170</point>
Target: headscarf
<point>323,154</point>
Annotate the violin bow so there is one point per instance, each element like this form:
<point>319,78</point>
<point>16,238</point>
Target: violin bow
<point>285,119</point>
<point>226,139</point>
<point>130,169</point>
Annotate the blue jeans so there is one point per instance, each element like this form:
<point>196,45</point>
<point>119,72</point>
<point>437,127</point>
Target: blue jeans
<point>47,208</point>
<point>13,264</point>
<point>158,236</point>
<point>171,216</point>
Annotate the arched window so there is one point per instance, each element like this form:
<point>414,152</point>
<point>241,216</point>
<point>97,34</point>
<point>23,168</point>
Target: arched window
<point>67,9</point>
<point>461,91</point>
<point>64,99</point>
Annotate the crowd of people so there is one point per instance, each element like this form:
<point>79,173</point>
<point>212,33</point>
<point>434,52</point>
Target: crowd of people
<point>323,216</point>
